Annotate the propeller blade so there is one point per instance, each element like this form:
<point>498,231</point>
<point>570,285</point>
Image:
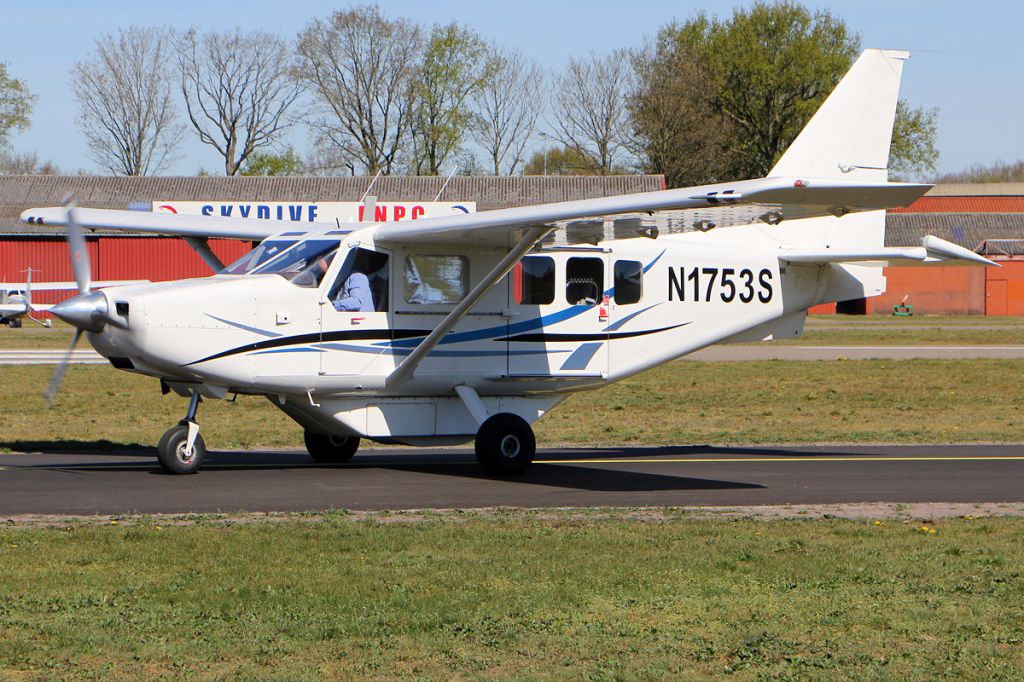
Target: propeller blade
<point>79,253</point>
<point>50,394</point>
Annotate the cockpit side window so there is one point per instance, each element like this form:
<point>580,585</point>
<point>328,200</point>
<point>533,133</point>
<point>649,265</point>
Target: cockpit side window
<point>258,256</point>
<point>362,283</point>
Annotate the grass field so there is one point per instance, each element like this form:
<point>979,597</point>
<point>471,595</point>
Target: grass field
<point>685,402</point>
<point>515,596</point>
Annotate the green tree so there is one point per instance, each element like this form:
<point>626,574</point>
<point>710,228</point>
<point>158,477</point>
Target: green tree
<point>15,105</point>
<point>767,68</point>
<point>274,164</point>
<point>454,67</point>
<point>675,128</point>
<point>913,152</point>
<point>561,161</point>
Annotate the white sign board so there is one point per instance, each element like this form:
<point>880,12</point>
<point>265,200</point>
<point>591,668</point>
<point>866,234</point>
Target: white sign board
<point>316,211</point>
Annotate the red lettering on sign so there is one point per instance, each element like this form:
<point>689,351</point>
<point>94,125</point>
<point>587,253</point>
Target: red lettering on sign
<point>417,212</point>
<point>399,212</point>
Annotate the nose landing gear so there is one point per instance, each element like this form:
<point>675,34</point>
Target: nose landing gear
<point>181,449</point>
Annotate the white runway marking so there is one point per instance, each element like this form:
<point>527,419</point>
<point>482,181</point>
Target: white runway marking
<point>50,356</point>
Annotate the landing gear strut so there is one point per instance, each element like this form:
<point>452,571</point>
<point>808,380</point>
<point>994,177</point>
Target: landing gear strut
<point>505,444</point>
<point>181,449</point>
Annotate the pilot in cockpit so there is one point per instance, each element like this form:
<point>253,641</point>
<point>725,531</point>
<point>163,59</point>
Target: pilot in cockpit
<point>355,294</point>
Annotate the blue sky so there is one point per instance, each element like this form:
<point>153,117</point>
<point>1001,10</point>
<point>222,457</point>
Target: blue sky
<point>968,59</point>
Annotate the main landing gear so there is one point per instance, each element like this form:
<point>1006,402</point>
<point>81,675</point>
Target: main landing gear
<point>505,444</point>
<point>181,449</point>
<point>330,449</point>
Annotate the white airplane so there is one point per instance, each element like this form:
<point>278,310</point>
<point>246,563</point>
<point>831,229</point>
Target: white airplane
<point>16,299</point>
<point>473,326</point>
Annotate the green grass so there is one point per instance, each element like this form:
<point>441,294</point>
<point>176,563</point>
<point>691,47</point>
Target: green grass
<point>684,402</point>
<point>515,596</point>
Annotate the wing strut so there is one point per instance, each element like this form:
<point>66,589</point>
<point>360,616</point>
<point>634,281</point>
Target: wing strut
<point>405,370</point>
<point>201,245</point>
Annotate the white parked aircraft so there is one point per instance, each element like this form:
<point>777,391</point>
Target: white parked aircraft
<point>474,326</point>
<point>16,299</point>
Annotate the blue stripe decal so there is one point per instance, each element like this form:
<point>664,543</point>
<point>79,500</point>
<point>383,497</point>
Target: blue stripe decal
<point>239,325</point>
<point>289,350</point>
<point>651,264</point>
<point>581,357</point>
<point>440,353</point>
<point>616,325</point>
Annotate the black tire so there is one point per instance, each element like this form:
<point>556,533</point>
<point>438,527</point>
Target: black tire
<point>170,451</point>
<point>323,447</point>
<point>16,323</point>
<point>505,444</point>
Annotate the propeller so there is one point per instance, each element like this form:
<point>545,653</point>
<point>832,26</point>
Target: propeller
<point>73,308</point>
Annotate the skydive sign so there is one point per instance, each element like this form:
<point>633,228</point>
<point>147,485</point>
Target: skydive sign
<point>322,211</point>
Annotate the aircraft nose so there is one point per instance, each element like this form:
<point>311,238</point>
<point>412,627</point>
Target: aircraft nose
<point>88,312</point>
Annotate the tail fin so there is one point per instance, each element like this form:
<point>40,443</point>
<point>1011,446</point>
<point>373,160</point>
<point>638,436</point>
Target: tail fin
<point>850,135</point>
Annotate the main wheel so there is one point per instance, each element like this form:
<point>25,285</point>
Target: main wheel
<point>505,444</point>
<point>326,448</point>
<point>171,451</point>
<point>16,323</point>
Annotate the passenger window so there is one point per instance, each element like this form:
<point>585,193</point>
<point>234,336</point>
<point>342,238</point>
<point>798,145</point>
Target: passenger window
<point>533,281</point>
<point>629,281</point>
<point>584,281</point>
<point>433,280</point>
<point>362,283</point>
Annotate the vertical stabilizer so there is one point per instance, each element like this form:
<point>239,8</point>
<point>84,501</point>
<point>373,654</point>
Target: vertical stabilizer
<point>849,136</point>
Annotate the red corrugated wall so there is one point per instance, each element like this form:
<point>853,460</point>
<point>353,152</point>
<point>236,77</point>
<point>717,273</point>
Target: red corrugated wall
<point>934,290</point>
<point>152,258</point>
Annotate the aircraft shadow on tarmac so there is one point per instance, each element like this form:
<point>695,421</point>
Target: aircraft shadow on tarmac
<point>78,447</point>
<point>592,476</point>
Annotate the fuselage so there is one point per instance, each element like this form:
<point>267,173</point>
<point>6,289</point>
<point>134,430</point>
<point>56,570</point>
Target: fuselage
<point>567,318</point>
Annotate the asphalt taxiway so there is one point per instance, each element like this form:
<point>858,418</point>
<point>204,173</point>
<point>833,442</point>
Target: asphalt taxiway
<point>120,482</point>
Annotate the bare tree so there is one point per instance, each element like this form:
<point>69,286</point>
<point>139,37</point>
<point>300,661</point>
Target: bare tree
<point>508,105</point>
<point>591,114</point>
<point>126,106</point>
<point>360,65</point>
<point>27,163</point>
<point>237,87</point>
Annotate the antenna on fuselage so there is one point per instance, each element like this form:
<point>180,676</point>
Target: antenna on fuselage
<point>370,186</point>
<point>450,175</point>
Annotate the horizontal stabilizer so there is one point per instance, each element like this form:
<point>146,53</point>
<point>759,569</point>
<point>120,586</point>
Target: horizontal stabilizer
<point>932,251</point>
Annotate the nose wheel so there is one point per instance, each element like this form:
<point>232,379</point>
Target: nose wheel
<point>181,449</point>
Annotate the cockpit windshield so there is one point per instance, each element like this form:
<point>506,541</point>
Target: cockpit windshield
<point>258,256</point>
<point>312,252</point>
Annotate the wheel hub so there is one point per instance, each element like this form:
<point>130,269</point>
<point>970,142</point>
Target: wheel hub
<point>182,456</point>
<point>510,446</point>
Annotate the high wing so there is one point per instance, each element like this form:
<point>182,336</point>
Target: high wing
<point>167,223</point>
<point>726,204</point>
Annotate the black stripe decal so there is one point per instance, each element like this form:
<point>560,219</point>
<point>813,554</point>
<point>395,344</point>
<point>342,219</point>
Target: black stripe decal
<point>317,337</point>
